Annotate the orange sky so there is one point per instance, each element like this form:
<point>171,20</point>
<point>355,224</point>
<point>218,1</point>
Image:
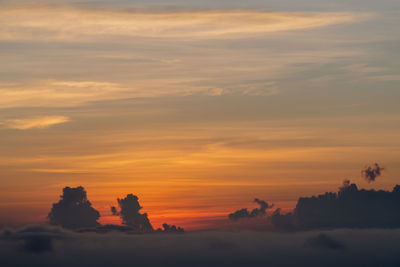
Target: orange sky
<point>197,110</point>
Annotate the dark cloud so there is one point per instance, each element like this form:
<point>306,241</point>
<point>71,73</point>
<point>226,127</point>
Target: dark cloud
<point>112,228</point>
<point>74,210</point>
<point>34,239</point>
<point>244,213</point>
<point>323,241</point>
<point>370,173</point>
<point>130,214</point>
<point>210,248</point>
<point>170,229</point>
<point>134,221</point>
<point>345,185</point>
<point>218,243</point>
<point>108,228</point>
<point>284,222</point>
<point>349,208</point>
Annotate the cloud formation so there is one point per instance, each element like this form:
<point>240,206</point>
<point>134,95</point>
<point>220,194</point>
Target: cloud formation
<point>370,173</point>
<point>35,239</point>
<point>74,210</point>
<point>257,212</point>
<point>60,93</point>
<point>349,208</point>
<point>246,248</point>
<point>68,23</point>
<point>323,241</point>
<point>130,214</point>
<point>35,123</point>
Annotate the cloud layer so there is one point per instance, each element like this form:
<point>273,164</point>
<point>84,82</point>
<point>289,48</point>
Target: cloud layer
<point>25,247</point>
<point>349,208</point>
<point>36,122</point>
<point>66,23</point>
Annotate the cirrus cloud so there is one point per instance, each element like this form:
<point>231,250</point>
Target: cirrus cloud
<point>35,122</point>
<point>68,23</point>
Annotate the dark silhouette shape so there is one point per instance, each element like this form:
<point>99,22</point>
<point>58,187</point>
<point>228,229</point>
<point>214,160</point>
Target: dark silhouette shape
<point>370,173</point>
<point>349,208</point>
<point>74,210</point>
<point>323,241</point>
<point>130,214</point>
<point>284,222</point>
<point>346,184</point>
<point>244,213</point>
<point>108,228</point>
<point>170,229</point>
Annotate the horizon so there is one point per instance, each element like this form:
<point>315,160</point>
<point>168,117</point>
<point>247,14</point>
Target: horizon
<point>224,115</point>
<point>221,222</point>
<point>195,107</point>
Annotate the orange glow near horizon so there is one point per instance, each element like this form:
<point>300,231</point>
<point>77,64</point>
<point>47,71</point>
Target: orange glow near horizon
<point>197,111</point>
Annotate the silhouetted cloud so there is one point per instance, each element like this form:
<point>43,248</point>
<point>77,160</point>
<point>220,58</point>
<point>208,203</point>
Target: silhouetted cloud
<point>284,222</point>
<point>108,228</point>
<point>74,210</point>
<point>370,173</point>
<point>244,213</point>
<point>345,185</point>
<point>135,221</point>
<point>170,229</point>
<point>323,241</point>
<point>349,208</point>
<point>130,214</point>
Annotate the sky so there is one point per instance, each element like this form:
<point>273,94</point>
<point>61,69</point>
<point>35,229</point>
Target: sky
<point>195,107</point>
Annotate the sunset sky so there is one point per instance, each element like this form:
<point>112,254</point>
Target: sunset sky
<point>196,107</point>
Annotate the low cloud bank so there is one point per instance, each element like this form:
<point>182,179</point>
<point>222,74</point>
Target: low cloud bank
<point>34,239</point>
<point>223,248</point>
<point>348,208</point>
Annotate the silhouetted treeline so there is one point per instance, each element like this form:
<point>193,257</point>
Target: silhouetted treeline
<point>349,208</point>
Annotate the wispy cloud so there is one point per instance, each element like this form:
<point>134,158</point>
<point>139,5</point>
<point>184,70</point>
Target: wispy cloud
<point>52,93</point>
<point>66,23</point>
<point>36,122</point>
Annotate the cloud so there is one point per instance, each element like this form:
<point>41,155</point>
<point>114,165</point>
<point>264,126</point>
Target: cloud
<point>230,248</point>
<point>61,93</point>
<point>35,238</point>
<point>370,173</point>
<point>349,208</point>
<point>323,241</point>
<point>130,214</point>
<point>170,229</point>
<point>74,210</point>
<point>135,221</point>
<point>36,122</point>
<point>257,212</point>
<point>73,24</point>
